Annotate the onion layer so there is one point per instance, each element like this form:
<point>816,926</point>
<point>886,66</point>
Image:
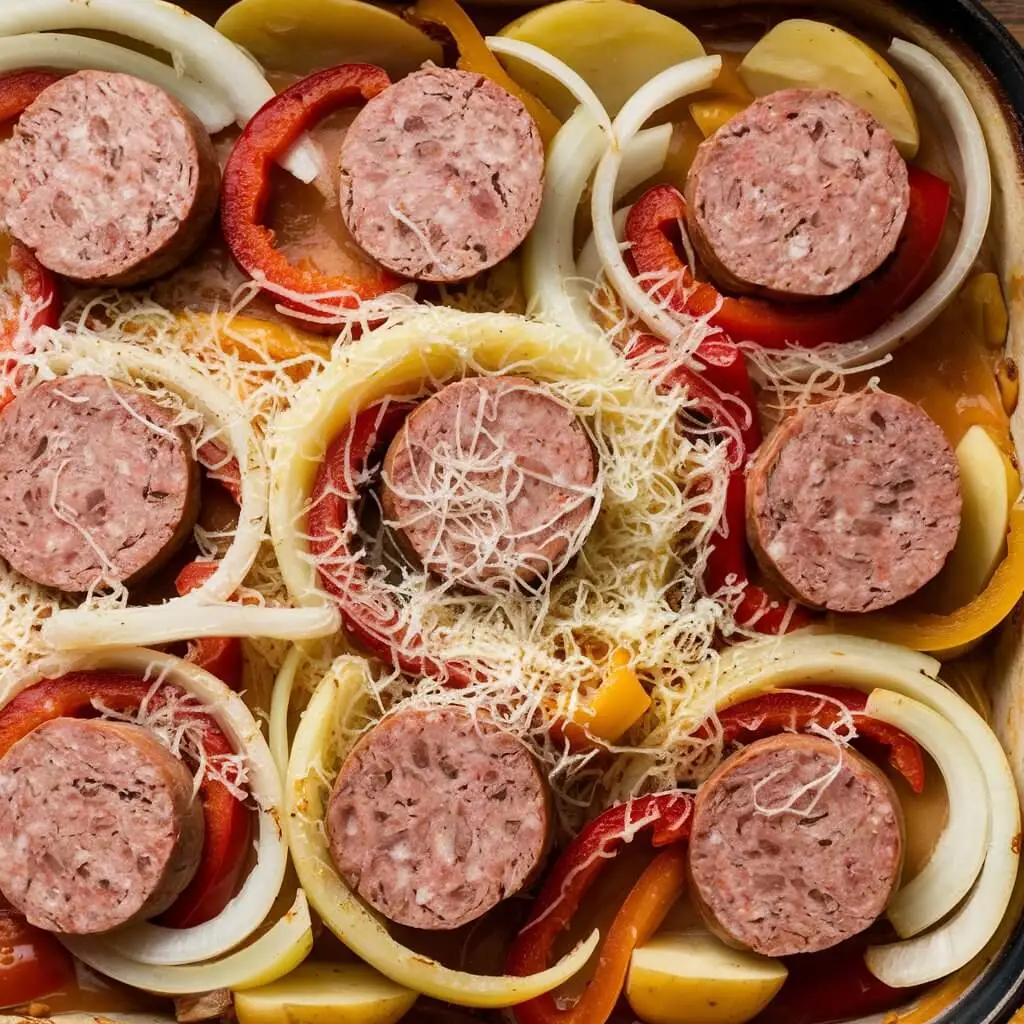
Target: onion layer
<point>150,944</point>
<point>76,53</point>
<point>198,49</point>
<point>342,912</point>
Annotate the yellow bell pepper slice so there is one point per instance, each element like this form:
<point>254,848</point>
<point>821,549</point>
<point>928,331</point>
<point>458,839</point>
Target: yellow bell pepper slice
<point>617,704</point>
<point>710,115</point>
<point>474,56</point>
<point>984,297</point>
<point>922,631</point>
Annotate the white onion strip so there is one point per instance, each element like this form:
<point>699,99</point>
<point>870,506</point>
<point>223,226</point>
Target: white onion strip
<point>976,183</point>
<point>643,157</point>
<point>341,910</point>
<point>198,49</point>
<point>554,291</point>
<point>270,957</point>
<point>77,53</point>
<point>280,705</point>
<point>869,664</point>
<point>672,84</point>
<point>539,58</point>
<point>589,262</point>
<point>960,852</point>
<point>151,944</point>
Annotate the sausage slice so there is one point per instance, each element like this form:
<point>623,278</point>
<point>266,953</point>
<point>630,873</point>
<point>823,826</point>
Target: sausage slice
<point>97,486</point>
<point>797,845</point>
<point>98,826</point>
<point>441,175</point>
<point>801,195</point>
<point>436,817</point>
<point>854,504</point>
<point>490,480</point>
<point>108,179</point>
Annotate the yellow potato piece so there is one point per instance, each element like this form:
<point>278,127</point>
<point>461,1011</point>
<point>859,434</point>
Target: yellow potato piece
<point>320,993</point>
<point>615,46</point>
<point>306,35</point>
<point>803,54</point>
<point>695,978</point>
<point>989,485</point>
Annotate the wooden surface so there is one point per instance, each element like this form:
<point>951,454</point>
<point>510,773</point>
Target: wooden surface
<point>1011,12</point>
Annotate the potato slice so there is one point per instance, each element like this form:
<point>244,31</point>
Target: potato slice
<point>989,485</point>
<point>616,47</point>
<point>306,35</point>
<point>804,54</point>
<point>695,978</point>
<point>319,993</point>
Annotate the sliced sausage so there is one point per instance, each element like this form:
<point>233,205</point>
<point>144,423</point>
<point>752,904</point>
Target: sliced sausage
<point>801,195</point>
<point>98,826</point>
<point>797,845</point>
<point>490,481</point>
<point>97,486</point>
<point>108,179</point>
<point>854,504</point>
<point>436,817</point>
<point>441,175</point>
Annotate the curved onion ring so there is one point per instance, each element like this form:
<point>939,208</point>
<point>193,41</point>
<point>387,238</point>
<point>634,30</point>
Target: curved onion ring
<point>147,943</point>
<point>271,956</point>
<point>75,53</point>
<point>201,612</point>
<point>672,84</point>
<point>960,852</point>
<point>336,696</point>
<point>869,664</point>
<point>197,47</point>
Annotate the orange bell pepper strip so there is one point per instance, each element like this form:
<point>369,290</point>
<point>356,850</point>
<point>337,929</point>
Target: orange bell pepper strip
<point>922,631</point>
<point>667,816</point>
<point>474,56</point>
<point>246,188</point>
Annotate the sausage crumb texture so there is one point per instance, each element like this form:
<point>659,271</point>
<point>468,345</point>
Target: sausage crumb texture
<point>801,195</point>
<point>437,816</point>
<point>97,485</point>
<point>108,179</point>
<point>854,504</point>
<point>491,482</point>
<point>98,826</point>
<point>797,845</point>
<point>441,175</point>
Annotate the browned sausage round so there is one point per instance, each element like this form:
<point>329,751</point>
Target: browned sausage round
<point>98,826</point>
<point>801,195</point>
<point>854,504</point>
<point>797,845</point>
<point>436,817</point>
<point>97,487</point>
<point>441,175</point>
<point>490,481</point>
<point>108,179</point>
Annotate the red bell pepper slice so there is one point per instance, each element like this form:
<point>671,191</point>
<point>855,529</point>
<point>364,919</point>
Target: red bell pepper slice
<point>667,818</point>
<point>725,396</point>
<point>369,613</point>
<point>653,223</point>
<point>246,185</point>
<point>784,710</point>
<point>20,88</point>
<point>33,964</point>
<point>221,656</point>
<point>227,821</point>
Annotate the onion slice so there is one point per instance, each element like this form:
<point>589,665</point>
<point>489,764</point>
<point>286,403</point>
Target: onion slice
<point>869,664</point>
<point>642,157</point>
<point>77,53</point>
<point>280,704</point>
<point>271,956</point>
<point>150,944</point>
<point>198,49</point>
<point>342,912</point>
<point>672,84</point>
<point>201,612</point>
<point>960,852</point>
<point>539,58</point>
